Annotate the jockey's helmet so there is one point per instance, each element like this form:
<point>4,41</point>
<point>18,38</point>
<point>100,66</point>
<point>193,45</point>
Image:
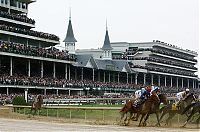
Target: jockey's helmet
<point>187,90</point>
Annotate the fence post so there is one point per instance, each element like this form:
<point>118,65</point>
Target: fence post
<point>103,114</point>
<point>178,120</point>
<point>57,113</point>
<point>24,111</point>
<point>85,115</point>
<point>70,114</point>
<point>47,112</point>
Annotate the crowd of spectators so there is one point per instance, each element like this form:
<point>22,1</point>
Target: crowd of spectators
<point>173,46</point>
<point>129,54</point>
<point>175,54</point>
<point>17,17</point>
<point>34,51</point>
<point>29,32</point>
<point>165,61</point>
<point>23,80</point>
<point>162,69</point>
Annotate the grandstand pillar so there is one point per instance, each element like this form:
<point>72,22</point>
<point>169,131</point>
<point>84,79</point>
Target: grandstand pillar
<point>81,73</point>
<point>144,78</point>
<point>136,79</point>
<point>171,81</point>
<point>57,92</point>
<point>75,72</point>
<point>158,80</point>
<point>188,83</point>
<point>182,82</point>
<point>69,73</point>
<point>151,79</point>
<point>8,38</point>
<point>104,77</point>
<point>113,77</point>
<point>93,74</point>
<point>131,78</point>
<point>11,66</point>
<point>193,84</point>
<point>66,71</point>
<point>29,67</point>
<point>177,82</point>
<point>26,94</point>
<point>165,81</point>
<point>118,77</point>
<point>109,76</point>
<point>45,91</point>
<point>42,69</point>
<point>54,70</point>
<point>127,77</point>
<point>99,76</point>
<point>7,91</point>
<point>69,92</point>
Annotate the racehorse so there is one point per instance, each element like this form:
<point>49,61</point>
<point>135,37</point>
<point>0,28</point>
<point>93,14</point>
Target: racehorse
<point>152,105</point>
<point>128,108</point>
<point>148,107</point>
<point>37,104</point>
<point>195,109</point>
<point>172,112</point>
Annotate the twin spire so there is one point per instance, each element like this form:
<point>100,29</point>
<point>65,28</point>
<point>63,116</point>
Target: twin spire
<point>70,34</point>
<point>71,39</point>
<point>106,45</point>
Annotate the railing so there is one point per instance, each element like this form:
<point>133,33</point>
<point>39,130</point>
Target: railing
<point>58,111</point>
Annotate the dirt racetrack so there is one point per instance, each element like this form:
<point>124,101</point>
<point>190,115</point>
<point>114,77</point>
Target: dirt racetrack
<point>35,125</point>
<point>10,121</point>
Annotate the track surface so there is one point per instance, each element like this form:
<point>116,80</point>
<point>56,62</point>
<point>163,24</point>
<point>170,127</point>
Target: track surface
<point>34,125</point>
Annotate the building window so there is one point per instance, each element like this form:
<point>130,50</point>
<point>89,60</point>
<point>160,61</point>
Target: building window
<point>2,1</point>
<point>6,2</point>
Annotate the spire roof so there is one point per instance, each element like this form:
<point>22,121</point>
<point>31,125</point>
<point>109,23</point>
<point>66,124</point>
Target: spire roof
<point>106,45</point>
<point>70,34</point>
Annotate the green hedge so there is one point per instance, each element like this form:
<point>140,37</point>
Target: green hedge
<point>19,100</point>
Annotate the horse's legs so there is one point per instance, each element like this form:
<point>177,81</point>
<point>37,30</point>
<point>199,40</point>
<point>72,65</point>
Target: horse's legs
<point>198,121</point>
<point>188,118</point>
<point>171,115</point>
<point>137,116</point>
<point>141,119</point>
<point>122,121</point>
<point>163,114</point>
<point>146,118</point>
<point>157,116</point>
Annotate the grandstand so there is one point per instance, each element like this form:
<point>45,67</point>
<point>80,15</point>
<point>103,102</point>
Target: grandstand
<point>30,62</point>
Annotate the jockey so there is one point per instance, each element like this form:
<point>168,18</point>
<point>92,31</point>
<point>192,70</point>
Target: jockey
<point>182,95</point>
<point>138,93</point>
<point>145,93</point>
<point>155,89</point>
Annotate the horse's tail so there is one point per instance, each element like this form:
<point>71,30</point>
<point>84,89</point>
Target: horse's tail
<point>187,108</point>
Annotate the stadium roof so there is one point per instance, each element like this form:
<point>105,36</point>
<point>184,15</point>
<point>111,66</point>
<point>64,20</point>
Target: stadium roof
<point>113,65</point>
<point>27,1</point>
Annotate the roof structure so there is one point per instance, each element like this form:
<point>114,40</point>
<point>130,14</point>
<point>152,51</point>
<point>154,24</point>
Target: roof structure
<point>70,34</point>
<point>110,65</point>
<point>106,45</point>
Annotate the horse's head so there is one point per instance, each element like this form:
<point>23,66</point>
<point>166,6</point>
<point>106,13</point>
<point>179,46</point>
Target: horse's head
<point>163,99</point>
<point>154,98</point>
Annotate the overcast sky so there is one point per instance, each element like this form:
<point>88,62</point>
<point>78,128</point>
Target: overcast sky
<point>172,21</point>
